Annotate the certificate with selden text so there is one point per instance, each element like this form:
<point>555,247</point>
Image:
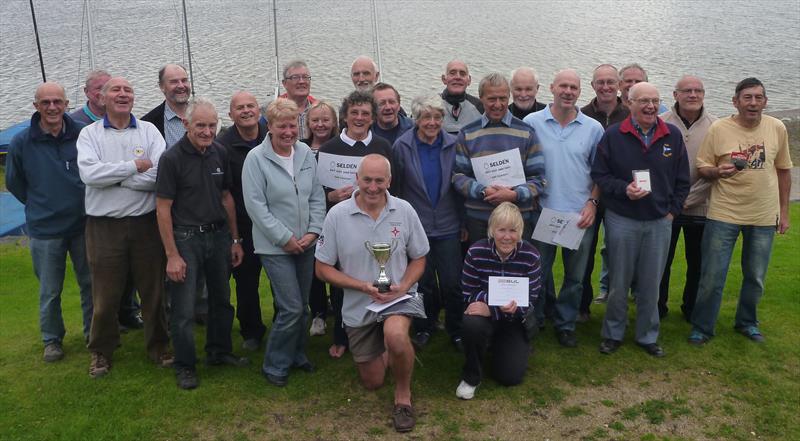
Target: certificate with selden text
<point>502,290</point>
<point>502,169</point>
<point>337,171</point>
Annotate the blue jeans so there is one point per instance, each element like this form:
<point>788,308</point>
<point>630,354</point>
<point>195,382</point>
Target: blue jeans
<point>568,301</point>
<point>290,280</point>
<point>49,263</point>
<point>206,253</point>
<point>719,239</point>
<point>441,287</point>
<point>638,251</point>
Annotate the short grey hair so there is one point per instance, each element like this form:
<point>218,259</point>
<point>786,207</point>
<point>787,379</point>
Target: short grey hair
<point>95,74</point>
<point>632,66</point>
<point>430,103</point>
<point>364,57</point>
<point>494,79</point>
<point>375,156</point>
<point>525,69</point>
<point>294,64</point>
<point>196,102</point>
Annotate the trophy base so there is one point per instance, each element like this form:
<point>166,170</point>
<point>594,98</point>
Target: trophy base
<point>382,287</point>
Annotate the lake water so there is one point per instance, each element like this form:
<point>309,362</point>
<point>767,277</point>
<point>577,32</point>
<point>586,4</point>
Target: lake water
<point>232,44</point>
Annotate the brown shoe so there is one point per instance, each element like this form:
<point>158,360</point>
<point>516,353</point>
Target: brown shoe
<point>403,418</point>
<point>164,359</point>
<point>99,365</point>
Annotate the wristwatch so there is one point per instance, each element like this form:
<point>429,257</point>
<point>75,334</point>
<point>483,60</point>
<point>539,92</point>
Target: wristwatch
<point>239,241</point>
<point>594,201</point>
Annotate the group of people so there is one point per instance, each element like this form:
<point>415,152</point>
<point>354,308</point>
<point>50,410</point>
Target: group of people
<point>165,207</point>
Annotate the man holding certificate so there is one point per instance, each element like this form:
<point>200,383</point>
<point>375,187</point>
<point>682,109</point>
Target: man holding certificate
<point>373,233</point>
<point>569,139</point>
<point>642,168</point>
<point>498,159</point>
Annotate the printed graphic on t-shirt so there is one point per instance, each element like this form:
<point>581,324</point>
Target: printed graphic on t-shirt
<point>754,153</point>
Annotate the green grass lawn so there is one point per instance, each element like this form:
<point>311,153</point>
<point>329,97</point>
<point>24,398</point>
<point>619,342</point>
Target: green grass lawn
<point>729,389</point>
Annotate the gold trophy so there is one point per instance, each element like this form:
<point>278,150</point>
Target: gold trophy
<point>381,251</point>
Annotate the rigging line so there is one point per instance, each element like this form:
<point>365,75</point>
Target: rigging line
<point>277,59</point>
<point>38,43</point>
<point>188,47</point>
<point>80,55</point>
<point>89,34</point>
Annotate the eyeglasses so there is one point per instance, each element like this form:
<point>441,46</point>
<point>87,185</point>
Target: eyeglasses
<point>646,101</point>
<point>298,77</point>
<point>692,91</point>
<point>47,103</point>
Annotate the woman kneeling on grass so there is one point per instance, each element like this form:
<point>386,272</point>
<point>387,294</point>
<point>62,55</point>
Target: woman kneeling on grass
<point>502,254</point>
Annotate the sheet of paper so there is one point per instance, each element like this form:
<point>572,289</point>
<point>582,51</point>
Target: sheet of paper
<point>378,307</point>
<point>642,178</point>
<point>504,169</point>
<point>570,235</point>
<point>552,223</point>
<point>503,290</point>
<point>337,171</point>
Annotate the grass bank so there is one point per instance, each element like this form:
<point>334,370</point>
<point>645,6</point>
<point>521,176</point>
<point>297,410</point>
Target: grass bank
<point>730,389</point>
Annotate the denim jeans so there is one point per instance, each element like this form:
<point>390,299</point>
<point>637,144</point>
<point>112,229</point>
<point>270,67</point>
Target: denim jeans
<point>206,253</point>
<point>719,239</point>
<point>290,279</point>
<point>568,301</point>
<point>49,263</point>
<point>638,251</point>
<point>441,287</point>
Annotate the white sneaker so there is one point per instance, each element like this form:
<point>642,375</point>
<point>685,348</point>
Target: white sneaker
<point>317,326</point>
<point>465,391</point>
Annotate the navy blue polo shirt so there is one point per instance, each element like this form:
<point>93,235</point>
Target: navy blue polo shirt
<point>194,182</point>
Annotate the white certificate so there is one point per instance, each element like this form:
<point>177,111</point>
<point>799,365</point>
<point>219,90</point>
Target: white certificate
<point>378,307</point>
<point>559,228</point>
<point>642,178</point>
<point>337,171</point>
<point>503,169</point>
<point>503,290</point>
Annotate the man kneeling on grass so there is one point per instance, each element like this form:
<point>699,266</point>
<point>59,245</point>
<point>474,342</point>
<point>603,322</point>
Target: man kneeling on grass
<point>377,339</point>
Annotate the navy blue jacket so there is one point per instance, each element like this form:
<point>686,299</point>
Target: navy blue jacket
<point>621,151</point>
<point>408,183</point>
<point>42,172</point>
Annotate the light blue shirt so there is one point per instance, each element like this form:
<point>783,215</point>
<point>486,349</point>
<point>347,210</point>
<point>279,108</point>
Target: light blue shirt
<point>568,155</point>
<point>173,126</point>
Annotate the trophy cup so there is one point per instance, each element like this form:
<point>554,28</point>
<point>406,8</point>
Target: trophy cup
<point>381,251</point>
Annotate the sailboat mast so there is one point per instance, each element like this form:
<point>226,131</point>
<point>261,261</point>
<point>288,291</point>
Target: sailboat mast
<point>275,36</point>
<point>188,48</point>
<point>90,33</point>
<point>376,33</point>
<point>38,44</point>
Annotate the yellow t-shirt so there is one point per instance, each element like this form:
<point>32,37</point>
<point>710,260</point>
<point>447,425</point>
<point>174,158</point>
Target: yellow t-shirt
<point>750,197</point>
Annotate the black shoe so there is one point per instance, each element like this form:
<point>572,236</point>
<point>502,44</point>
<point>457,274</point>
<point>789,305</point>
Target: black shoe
<point>228,359</point>
<point>459,344</point>
<point>307,367</point>
<point>609,346</point>
<point>421,339</point>
<point>186,379</point>
<point>567,338</point>
<point>652,349</point>
<point>132,321</point>
<point>276,380</point>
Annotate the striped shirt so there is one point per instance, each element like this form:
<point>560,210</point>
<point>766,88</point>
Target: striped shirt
<point>482,261</point>
<point>482,138</point>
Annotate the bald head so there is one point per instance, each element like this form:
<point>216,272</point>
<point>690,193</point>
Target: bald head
<point>566,88</point>
<point>50,100</point>
<point>641,89</point>
<point>50,88</point>
<point>375,163</point>
<point>364,73</point>
<point>643,103</point>
<point>244,110</point>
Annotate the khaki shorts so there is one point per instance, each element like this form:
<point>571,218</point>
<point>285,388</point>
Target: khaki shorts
<point>366,342</point>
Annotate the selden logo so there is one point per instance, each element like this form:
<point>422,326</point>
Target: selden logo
<point>512,281</point>
<point>498,163</point>
<point>342,165</point>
